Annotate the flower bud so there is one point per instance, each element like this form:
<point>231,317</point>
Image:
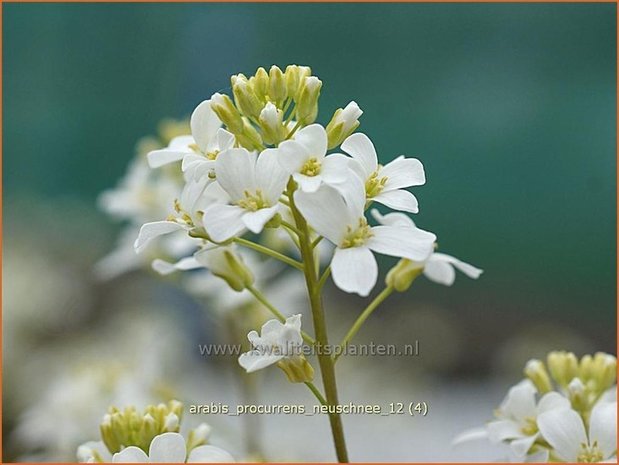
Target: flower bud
<point>402,275</point>
<point>536,372</point>
<point>227,112</point>
<point>272,125</point>
<point>563,367</point>
<point>260,83</point>
<point>277,85</point>
<point>108,436</point>
<point>297,369</point>
<point>344,122</point>
<point>295,76</point>
<point>307,104</point>
<point>227,265</point>
<point>198,436</point>
<point>249,137</point>
<point>599,370</point>
<point>245,98</point>
<point>576,392</point>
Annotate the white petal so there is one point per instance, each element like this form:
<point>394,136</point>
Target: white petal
<point>439,272</point>
<point>271,178</point>
<point>336,168</point>
<point>412,243</point>
<point>393,219</point>
<point>130,454</point>
<point>158,158</point>
<point>308,183</point>
<point>167,448</point>
<point>235,170</point>
<point>292,156</point>
<point>354,270</point>
<point>150,231</point>
<point>255,221</point>
<point>500,430</point>
<point>326,211</point>
<point>398,200</point>
<point>473,434</point>
<point>563,430</point>
<point>223,222</point>
<point>519,403</point>
<point>209,454</point>
<point>521,446</point>
<point>255,360</point>
<point>225,139</point>
<point>603,427</point>
<point>204,125</point>
<point>403,172</point>
<point>164,268</point>
<point>360,147</point>
<point>540,456</point>
<point>467,269</point>
<point>552,401</point>
<point>314,139</point>
<point>87,451</point>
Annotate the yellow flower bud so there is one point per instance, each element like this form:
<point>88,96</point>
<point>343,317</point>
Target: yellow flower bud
<point>227,112</point>
<point>295,76</point>
<point>260,83</point>
<point>563,367</point>
<point>297,369</point>
<point>307,105</point>
<point>277,85</point>
<point>536,372</point>
<point>599,372</point>
<point>249,137</point>
<point>402,275</point>
<point>246,99</point>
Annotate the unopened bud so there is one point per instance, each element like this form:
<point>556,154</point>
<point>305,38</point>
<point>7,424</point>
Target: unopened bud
<point>599,370</point>
<point>295,76</point>
<point>307,105</point>
<point>260,83</point>
<point>297,369</point>
<point>249,137</point>
<point>536,372</point>
<point>226,264</point>
<point>563,367</point>
<point>402,275</point>
<point>226,111</point>
<point>277,85</point>
<point>577,394</point>
<point>344,122</point>
<point>272,125</point>
<point>246,99</point>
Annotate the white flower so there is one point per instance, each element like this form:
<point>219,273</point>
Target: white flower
<point>305,159</point>
<point>566,433</point>
<point>385,184</point>
<point>171,448</point>
<point>438,267</point>
<point>197,150</point>
<point>276,342</point>
<point>93,451</point>
<point>353,266</point>
<point>517,416</point>
<point>254,184</point>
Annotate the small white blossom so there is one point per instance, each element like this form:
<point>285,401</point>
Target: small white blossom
<point>353,266</point>
<point>254,184</point>
<point>565,431</point>
<point>305,159</point>
<point>385,184</point>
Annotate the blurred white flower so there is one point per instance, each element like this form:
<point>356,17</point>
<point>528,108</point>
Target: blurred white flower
<point>254,184</point>
<point>353,266</point>
<point>385,184</point>
<point>305,159</point>
<point>566,433</point>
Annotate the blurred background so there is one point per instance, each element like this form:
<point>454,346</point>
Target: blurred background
<point>510,107</point>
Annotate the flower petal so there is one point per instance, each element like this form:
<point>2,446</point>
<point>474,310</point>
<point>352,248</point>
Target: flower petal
<point>167,448</point>
<point>292,156</point>
<point>314,139</point>
<point>270,176</point>
<point>130,454</point>
<point>412,243</point>
<point>326,211</point>
<point>439,271</point>
<point>164,268</point>
<point>336,168</point>
<point>354,270</point>
<point>521,446</point>
<point>603,427</point>
<point>158,158</point>
<point>398,200</point>
<point>225,139</point>
<point>403,172</point>
<point>204,125</point>
<point>150,231</point>
<point>469,270</point>
<point>564,431</point>
<point>360,147</point>
<point>209,454</point>
<point>223,221</point>
<point>393,219</point>
<point>307,183</point>
<point>500,430</point>
<point>256,359</point>
<point>255,221</point>
<point>519,404</point>
<point>235,170</point>
<point>551,401</point>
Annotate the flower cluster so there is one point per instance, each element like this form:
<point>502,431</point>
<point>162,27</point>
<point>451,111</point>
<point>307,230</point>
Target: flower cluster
<point>258,161</point>
<point>565,410</point>
<point>128,436</point>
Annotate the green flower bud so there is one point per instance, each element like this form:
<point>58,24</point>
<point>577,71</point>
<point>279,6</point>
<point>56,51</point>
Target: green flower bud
<point>295,76</point>
<point>249,137</point>
<point>227,112</point>
<point>536,372</point>
<point>297,369</point>
<point>246,99</point>
<point>343,123</point>
<point>272,125</point>
<point>260,83</point>
<point>563,367</point>
<point>307,105</point>
<point>226,264</point>
<point>278,91</point>
<point>599,371</point>
<point>402,275</point>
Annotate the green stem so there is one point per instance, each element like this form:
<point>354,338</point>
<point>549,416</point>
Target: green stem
<point>317,241</point>
<point>316,392</point>
<point>260,297</point>
<point>386,292</point>
<point>323,278</point>
<point>293,130</point>
<point>270,252</point>
<point>325,361</point>
<point>290,227</point>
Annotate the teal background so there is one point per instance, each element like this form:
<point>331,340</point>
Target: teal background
<point>511,108</point>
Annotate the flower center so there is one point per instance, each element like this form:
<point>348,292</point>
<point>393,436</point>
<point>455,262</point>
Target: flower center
<point>590,454</point>
<point>374,185</point>
<point>252,202</point>
<point>183,215</point>
<point>358,236</point>
<point>311,167</point>
<point>209,155</point>
<point>530,426</point>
